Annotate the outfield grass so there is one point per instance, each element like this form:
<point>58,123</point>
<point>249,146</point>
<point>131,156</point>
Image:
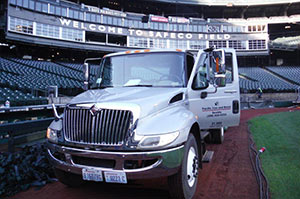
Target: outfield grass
<point>280,134</point>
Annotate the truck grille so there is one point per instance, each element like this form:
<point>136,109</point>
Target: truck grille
<point>108,127</point>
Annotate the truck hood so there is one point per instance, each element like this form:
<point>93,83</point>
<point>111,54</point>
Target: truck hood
<point>148,99</point>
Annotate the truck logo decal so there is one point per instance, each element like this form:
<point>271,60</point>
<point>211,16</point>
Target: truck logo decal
<point>216,108</point>
<point>94,110</point>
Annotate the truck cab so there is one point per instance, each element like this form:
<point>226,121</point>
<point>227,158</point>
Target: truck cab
<point>148,114</point>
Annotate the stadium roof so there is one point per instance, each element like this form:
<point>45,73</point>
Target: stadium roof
<point>229,3</point>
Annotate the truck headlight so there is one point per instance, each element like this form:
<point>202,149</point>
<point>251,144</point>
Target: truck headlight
<point>154,141</point>
<point>52,135</point>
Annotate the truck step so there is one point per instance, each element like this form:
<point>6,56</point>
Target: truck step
<point>207,157</point>
<point>204,134</point>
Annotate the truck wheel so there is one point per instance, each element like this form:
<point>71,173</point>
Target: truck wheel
<point>184,183</point>
<point>217,135</point>
<point>69,179</point>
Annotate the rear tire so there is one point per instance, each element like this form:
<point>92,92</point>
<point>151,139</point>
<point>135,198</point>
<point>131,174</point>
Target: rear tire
<point>183,184</point>
<point>69,179</point>
<point>217,135</point>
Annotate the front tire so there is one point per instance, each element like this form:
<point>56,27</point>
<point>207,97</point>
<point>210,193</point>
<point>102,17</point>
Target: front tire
<point>183,184</point>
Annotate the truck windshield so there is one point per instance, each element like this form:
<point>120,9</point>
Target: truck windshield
<point>143,69</point>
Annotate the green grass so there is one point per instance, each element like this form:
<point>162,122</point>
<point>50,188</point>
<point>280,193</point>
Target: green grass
<point>280,134</point>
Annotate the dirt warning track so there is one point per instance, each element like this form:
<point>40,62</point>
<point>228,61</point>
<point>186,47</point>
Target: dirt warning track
<point>228,176</point>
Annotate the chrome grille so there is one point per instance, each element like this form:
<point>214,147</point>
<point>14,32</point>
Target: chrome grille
<point>108,127</point>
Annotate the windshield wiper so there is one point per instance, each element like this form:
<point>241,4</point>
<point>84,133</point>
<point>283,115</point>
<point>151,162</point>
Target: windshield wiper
<point>139,85</point>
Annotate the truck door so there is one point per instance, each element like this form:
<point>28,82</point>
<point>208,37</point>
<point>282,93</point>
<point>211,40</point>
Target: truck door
<point>214,107</point>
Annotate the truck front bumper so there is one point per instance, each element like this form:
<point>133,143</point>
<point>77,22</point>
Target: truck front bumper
<point>136,165</point>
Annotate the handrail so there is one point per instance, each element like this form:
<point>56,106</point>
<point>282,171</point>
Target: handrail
<point>21,130</point>
<point>29,108</point>
<point>23,127</point>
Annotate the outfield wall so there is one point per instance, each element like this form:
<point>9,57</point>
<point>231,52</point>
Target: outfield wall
<point>269,97</point>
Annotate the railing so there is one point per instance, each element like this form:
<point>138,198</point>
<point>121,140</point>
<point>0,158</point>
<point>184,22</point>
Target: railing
<point>23,132</point>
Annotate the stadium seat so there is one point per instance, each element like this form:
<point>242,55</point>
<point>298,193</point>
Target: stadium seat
<point>259,77</point>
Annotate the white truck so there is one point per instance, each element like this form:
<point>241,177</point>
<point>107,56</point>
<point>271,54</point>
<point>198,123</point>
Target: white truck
<point>147,115</point>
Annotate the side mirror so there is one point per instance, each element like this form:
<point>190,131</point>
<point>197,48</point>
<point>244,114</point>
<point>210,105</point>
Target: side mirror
<point>218,61</point>
<point>218,67</point>
<point>86,72</point>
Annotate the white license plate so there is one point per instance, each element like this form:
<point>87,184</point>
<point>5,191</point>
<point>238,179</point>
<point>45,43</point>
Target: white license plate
<point>115,177</point>
<point>92,174</point>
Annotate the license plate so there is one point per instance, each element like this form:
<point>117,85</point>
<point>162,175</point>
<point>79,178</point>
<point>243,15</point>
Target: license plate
<point>115,177</point>
<point>92,174</point>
